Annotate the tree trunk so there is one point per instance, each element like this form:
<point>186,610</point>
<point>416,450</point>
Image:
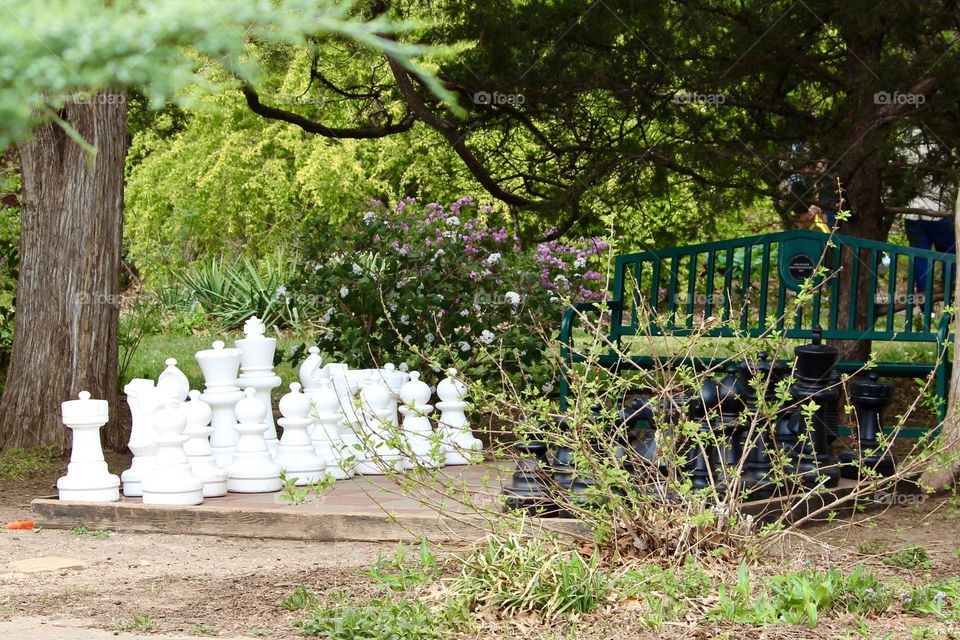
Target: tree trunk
<point>867,220</point>
<point>65,340</point>
<point>944,471</point>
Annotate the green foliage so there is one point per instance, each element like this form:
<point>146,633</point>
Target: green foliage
<point>802,597</point>
<point>18,463</point>
<point>138,623</point>
<point>10,184</point>
<point>912,557</point>
<point>140,320</point>
<point>230,293</point>
<point>299,599</point>
<point>383,618</point>
<point>154,46</point>
<point>430,285</point>
<point>396,573</point>
<point>515,575</point>
<point>293,494</point>
<point>937,599</point>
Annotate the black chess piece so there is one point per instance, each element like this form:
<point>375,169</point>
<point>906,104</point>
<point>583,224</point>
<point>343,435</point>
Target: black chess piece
<point>813,381</point>
<point>529,488</point>
<point>563,468</point>
<point>701,453</point>
<point>869,397</point>
<point>756,475</point>
<point>636,427</point>
<point>729,429</point>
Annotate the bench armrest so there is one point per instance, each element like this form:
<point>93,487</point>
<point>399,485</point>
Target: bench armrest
<point>568,321</point>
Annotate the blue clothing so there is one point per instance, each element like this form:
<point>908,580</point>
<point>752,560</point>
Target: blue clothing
<point>929,234</point>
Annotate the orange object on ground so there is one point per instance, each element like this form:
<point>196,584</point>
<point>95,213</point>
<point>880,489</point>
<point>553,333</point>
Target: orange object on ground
<point>19,524</point>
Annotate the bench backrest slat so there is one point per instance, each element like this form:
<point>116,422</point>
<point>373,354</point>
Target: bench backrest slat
<point>751,284</point>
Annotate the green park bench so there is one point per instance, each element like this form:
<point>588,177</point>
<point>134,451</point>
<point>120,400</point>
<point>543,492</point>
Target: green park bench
<point>748,286</point>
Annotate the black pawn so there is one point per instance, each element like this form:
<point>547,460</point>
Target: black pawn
<point>529,488</point>
<point>869,398</point>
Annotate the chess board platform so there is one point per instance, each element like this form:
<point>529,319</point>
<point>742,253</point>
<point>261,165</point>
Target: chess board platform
<point>375,509</point>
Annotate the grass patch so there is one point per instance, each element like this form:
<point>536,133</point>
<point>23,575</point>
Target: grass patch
<point>19,463</point>
<point>384,617</point>
<point>516,575</point>
<point>138,623</point>
<point>93,533</point>
<point>200,630</point>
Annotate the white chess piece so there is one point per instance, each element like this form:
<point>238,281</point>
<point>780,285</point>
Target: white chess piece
<point>256,370</point>
<point>310,372</point>
<point>173,374</point>
<point>253,469</point>
<point>296,454</point>
<point>220,368</point>
<point>141,443</point>
<point>375,429</point>
<point>197,447</point>
<point>416,410</point>
<point>336,447</point>
<point>87,479</point>
<point>462,446</point>
<point>394,379</point>
<point>171,481</point>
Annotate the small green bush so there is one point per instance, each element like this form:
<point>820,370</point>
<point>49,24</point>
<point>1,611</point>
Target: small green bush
<point>299,599</point>
<point>912,557</point>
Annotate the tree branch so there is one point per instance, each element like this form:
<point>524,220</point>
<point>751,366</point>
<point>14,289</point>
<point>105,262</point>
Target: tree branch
<point>361,133</point>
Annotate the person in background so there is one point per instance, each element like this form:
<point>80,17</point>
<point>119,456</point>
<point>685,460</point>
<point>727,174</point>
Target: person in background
<point>826,191</point>
<point>929,232</point>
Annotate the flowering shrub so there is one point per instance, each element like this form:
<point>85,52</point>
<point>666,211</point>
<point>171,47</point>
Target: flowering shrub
<point>440,286</point>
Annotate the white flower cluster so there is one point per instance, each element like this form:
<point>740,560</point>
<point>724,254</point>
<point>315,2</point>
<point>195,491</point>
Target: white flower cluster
<point>486,336</point>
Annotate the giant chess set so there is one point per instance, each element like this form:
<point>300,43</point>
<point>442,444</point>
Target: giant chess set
<point>190,445</point>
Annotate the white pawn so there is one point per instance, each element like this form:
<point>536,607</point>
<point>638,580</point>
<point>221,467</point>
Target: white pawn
<point>335,447</point>
<point>141,443</point>
<point>296,455</point>
<point>87,479</point>
<point>417,430</point>
<point>253,469</point>
<point>374,430</point>
<point>171,481</point>
<point>197,447</point>
<point>462,446</point>
<point>220,370</point>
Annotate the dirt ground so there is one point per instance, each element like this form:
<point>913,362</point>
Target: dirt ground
<point>205,587</point>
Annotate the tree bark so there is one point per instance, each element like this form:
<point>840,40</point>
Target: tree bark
<point>944,471</point>
<point>65,339</point>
